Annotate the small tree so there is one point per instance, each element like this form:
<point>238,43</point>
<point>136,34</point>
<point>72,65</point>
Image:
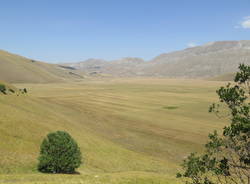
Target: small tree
<point>59,154</point>
<point>227,157</point>
<point>3,88</point>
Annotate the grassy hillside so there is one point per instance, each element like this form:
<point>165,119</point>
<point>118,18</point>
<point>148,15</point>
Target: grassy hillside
<point>18,69</point>
<point>127,129</point>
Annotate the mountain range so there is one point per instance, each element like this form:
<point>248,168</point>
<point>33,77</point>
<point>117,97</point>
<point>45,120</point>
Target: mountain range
<point>206,61</point>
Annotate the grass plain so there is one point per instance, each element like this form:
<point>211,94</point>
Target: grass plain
<point>129,130</point>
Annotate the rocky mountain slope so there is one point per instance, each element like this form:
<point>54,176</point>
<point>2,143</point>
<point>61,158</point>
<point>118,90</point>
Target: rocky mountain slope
<point>209,60</point>
<point>205,61</point>
<point>123,67</point>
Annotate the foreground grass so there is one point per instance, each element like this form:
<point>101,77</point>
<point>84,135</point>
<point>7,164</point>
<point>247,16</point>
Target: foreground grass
<point>127,129</point>
<point>97,178</point>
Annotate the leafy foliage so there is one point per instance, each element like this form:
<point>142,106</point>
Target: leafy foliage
<point>227,157</point>
<point>2,89</point>
<point>23,91</point>
<point>59,154</point>
<point>11,90</point>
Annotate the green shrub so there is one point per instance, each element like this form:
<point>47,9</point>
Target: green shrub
<point>170,107</point>
<point>226,157</point>
<point>11,90</point>
<point>2,88</point>
<point>59,153</point>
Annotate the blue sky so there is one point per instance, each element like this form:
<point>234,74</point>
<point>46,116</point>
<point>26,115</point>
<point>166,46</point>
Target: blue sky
<point>75,30</point>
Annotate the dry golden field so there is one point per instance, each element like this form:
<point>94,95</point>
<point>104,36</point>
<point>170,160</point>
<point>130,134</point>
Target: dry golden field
<point>129,130</point>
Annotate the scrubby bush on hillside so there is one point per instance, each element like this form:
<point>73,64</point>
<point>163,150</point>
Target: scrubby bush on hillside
<point>24,90</point>
<point>59,153</point>
<point>2,89</point>
<point>12,91</point>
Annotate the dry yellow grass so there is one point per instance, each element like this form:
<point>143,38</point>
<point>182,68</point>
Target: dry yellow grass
<point>126,128</point>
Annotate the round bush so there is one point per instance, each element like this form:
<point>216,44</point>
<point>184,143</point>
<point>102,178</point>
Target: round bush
<point>59,154</point>
<point>2,88</point>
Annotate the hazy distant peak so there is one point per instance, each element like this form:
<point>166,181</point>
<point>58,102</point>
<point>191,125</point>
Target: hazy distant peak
<point>129,60</point>
<point>208,60</point>
<point>228,44</point>
<point>94,60</point>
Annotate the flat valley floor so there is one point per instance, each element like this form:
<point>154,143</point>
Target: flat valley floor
<point>129,130</point>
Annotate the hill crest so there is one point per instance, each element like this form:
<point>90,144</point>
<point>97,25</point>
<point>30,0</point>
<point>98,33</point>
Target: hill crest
<point>208,60</point>
<point>18,69</point>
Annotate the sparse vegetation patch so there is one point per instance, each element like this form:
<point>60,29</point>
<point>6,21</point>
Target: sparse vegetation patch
<point>170,107</point>
<point>3,89</point>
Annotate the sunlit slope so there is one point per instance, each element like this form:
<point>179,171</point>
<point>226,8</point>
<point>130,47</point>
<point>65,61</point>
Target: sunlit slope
<point>14,68</point>
<point>22,133</point>
<point>121,126</point>
<point>204,61</point>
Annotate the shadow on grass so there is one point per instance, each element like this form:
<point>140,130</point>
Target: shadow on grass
<point>64,173</point>
<point>170,107</point>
